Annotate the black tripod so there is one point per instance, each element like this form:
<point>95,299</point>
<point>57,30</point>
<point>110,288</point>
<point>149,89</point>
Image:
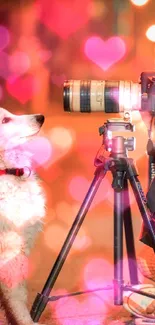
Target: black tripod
<point>123,170</point>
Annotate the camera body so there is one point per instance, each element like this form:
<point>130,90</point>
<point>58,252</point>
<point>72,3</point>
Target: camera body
<point>147,81</point>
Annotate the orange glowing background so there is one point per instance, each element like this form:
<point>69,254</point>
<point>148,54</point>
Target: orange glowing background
<point>42,43</point>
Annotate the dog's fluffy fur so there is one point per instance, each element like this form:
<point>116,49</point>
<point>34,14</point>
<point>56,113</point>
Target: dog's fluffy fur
<point>22,208</point>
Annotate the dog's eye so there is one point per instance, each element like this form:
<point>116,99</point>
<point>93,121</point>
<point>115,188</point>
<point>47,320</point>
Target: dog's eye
<point>6,120</point>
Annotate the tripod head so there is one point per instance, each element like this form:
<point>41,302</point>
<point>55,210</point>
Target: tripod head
<point>117,145</point>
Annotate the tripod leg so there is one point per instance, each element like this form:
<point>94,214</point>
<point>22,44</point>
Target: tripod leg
<point>129,236</point>
<point>118,248</point>
<point>42,299</point>
<point>141,201</point>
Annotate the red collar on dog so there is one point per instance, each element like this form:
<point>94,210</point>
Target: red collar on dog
<point>13,171</point>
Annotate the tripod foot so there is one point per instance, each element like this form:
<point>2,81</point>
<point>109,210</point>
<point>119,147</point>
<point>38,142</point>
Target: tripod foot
<point>138,303</point>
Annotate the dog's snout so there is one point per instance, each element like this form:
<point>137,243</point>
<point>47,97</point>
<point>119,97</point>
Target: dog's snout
<point>40,119</point>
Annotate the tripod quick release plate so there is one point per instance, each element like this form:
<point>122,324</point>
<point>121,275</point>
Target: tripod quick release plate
<point>115,125</point>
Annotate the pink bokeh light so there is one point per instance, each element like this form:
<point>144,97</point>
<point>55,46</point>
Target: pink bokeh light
<point>82,241</point>
<point>23,89</point>
<point>64,17</point>
<point>104,53</point>
<point>41,149</point>
<point>4,37</point>
<point>97,273</point>
<point>13,66</point>
<point>37,150</point>
<point>79,185</point>
<point>58,80</point>
<point>45,55</point>
<point>90,310</point>
<point>19,63</point>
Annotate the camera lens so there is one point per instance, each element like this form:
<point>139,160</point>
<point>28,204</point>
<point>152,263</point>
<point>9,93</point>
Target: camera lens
<point>101,96</point>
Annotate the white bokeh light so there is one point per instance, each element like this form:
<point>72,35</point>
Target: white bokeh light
<point>150,33</point>
<point>139,2</point>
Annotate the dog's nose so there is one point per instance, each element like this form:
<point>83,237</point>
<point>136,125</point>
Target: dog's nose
<point>40,119</point>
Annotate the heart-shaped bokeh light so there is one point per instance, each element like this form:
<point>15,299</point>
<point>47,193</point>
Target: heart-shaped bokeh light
<point>104,53</point>
<point>63,17</point>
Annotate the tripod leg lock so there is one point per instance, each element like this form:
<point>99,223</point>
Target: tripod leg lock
<point>38,306</point>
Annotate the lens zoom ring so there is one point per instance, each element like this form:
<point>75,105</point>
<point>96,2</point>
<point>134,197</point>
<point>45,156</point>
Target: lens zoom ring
<point>85,96</point>
<point>111,97</point>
